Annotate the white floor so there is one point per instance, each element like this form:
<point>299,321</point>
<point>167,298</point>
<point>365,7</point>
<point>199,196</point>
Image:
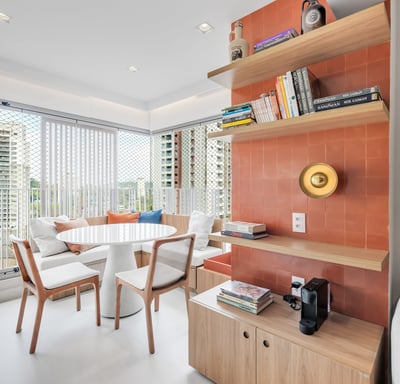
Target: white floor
<point>72,349</point>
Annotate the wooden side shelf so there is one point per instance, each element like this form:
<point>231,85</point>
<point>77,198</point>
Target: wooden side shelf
<point>363,29</point>
<point>372,259</point>
<point>368,113</point>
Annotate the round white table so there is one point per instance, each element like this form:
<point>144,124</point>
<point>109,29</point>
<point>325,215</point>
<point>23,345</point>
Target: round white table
<point>120,238</point>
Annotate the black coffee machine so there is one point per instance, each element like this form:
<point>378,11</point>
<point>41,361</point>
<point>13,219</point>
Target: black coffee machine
<point>314,305</point>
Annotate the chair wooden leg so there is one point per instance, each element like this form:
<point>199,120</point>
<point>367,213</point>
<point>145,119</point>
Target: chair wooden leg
<point>149,324</point>
<point>38,320</point>
<point>187,297</point>
<point>22,309</point>
<point>156,303</point>
<point>78,298</point>
<point>117,303</point>
<point>97,293</point>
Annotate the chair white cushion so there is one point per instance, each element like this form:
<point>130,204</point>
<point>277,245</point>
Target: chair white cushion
<point>198,256</point>
<point>163,275</point>
<point>43,233</point>
<point>201,224</point>
<point>65,274</point>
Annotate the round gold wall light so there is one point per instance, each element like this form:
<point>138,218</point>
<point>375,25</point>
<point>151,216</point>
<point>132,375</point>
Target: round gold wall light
<point>318,180</point>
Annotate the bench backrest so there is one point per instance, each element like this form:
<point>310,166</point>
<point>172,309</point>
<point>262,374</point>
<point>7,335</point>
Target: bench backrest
<point>180,222</point>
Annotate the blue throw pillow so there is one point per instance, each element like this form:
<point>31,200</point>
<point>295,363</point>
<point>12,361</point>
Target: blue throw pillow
<point>153,217</point>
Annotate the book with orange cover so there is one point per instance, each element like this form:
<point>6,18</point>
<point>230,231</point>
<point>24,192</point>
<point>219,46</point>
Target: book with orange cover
<point>280,98</point>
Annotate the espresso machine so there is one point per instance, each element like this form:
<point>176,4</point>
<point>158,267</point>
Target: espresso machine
<point>315,305</point>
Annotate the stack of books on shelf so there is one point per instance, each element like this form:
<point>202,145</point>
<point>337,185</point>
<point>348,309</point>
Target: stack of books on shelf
<point>237,115</point>
<point>244,229</point>
<point>296,91</point>
<point>358,96</point>
<point>275,40</point>
<point>248,297</point>
<point>266,107</point>
<point>293,96</point>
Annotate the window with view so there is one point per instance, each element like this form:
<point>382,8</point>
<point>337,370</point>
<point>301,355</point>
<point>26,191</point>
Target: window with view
<point>53,166</point>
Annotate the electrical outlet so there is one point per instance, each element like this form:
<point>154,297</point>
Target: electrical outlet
<point>297,291</point>
<point>299,222</point>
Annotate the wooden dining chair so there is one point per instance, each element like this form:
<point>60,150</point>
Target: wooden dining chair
<point>45,283</point>
<point>168,269</point>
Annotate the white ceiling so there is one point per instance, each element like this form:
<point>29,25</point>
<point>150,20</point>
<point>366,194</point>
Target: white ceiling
<point>86,46</point>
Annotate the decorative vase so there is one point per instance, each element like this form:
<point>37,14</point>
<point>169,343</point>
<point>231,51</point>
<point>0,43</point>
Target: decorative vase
<point>313,16</point>
<point>238,47</point>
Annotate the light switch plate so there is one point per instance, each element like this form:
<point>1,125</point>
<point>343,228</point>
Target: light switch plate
<point>299,222</point>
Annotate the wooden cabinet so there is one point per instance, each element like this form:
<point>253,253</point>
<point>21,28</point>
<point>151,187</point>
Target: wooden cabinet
<point>207,279</point>
<point>229,345</point>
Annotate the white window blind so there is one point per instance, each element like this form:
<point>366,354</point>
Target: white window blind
<point>79,176</point>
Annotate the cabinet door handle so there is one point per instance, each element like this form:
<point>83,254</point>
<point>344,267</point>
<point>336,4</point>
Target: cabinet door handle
<point>246,334</point>
<point>266,343</point>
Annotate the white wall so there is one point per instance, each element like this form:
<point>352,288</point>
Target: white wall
<point>189,109</point>
<point>24,92</point>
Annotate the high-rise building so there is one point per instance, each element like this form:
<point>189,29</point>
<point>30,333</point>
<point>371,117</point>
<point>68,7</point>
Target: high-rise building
<point>14,182</point>
<point>194,172</point>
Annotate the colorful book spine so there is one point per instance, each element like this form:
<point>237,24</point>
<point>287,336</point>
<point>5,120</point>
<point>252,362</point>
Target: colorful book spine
<point>238,110</point>
<point>289,31</point>
<point>237,117</point>
<point>303,98</point>
<point>275,105</point>
<point>244,235</point>
<point>346,95</point>
<point>310,86</point>
<point>237,123</point>
<point>259,112</point>
<point>291,94</point>
<point>280,99</point>
<point>273,43</point>
<point>284,96</point>
<point>296,86</point>
<point>236,107</point>
<point>267,103</point>
<point>347,102</point>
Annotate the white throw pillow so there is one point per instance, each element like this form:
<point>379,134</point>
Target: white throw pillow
<point>43,234</point>
<point>201,224</point>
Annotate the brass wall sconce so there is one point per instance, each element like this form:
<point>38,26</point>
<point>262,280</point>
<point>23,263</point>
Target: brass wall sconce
<point>318,180</point>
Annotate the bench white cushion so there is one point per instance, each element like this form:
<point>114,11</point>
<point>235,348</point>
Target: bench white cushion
<point>91,255</point>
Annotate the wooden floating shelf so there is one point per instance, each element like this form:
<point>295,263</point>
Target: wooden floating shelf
<point>371,259</point>
<point>366,28</point>
<point>368,113</point>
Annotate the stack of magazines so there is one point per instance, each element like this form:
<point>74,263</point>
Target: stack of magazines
<point>248,297</point>
<point>244,229</point>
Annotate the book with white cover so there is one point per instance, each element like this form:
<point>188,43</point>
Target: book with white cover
<point>244,226</point>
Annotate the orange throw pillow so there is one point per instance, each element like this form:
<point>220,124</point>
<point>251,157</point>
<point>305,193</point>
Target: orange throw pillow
<point>116,218</point>
<point>77,223</point>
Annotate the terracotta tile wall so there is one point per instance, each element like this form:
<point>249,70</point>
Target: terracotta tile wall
<point>266,189</point>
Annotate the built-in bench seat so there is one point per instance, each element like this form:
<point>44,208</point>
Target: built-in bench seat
<point>96,257</point>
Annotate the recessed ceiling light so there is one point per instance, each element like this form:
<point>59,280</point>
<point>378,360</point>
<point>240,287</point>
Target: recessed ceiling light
<point>204,27</point>
<point>132,68</point>
<point>4,18</point>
